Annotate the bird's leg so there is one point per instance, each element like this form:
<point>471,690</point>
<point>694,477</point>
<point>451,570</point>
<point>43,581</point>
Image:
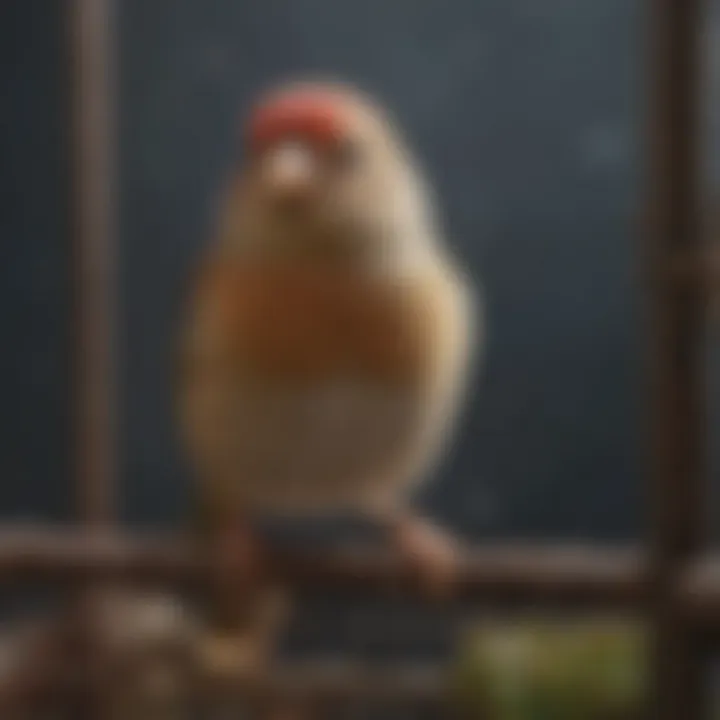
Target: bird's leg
<point>246,611</point>
<point>431,555</point>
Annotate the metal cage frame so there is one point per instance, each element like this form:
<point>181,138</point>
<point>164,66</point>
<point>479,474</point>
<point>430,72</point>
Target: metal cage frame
<point>668,579</point>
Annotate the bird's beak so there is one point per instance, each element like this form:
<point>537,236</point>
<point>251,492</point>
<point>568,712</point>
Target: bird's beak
<point>289,170</point>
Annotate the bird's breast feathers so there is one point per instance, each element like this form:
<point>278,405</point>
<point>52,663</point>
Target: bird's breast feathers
<point>309,323</point>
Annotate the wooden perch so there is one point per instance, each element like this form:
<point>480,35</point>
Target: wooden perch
<point>497,573</point>
<point>562,575</point>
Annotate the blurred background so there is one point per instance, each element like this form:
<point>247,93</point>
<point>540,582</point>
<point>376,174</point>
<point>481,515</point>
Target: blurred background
<point>528,116</point>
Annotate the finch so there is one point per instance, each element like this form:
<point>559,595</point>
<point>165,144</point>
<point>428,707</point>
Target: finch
<point>329,335</point>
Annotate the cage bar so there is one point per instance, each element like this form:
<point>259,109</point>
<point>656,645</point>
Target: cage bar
<point>94,234</point>
<point>94,256</point>
<point>676,350</point>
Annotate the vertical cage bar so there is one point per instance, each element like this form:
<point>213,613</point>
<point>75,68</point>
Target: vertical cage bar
<point>93,211</point>
<point>94,232</point>
<point>676,349</point>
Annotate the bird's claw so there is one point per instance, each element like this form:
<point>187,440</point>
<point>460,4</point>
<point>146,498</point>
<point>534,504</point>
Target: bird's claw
<point>431,555</point>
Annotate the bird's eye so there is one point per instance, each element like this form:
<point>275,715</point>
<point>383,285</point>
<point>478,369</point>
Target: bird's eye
<point>348,153</point>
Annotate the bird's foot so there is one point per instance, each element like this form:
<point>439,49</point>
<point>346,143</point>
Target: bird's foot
<point>238,554</point>
<point>432,556</point>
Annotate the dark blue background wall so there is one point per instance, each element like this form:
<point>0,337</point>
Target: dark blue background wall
<point>33,262</point>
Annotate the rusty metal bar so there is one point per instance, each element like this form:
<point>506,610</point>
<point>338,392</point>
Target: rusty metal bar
<point>92,46</point>
<point>676,351</point>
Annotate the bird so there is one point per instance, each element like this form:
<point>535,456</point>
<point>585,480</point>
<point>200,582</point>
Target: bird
<point>327,343</point>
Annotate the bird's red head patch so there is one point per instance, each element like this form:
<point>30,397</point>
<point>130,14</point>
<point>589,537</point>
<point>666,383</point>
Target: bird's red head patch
<point>314,115</point>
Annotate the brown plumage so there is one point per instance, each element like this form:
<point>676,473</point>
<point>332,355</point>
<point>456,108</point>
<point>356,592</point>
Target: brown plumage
<point>329,332</point>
